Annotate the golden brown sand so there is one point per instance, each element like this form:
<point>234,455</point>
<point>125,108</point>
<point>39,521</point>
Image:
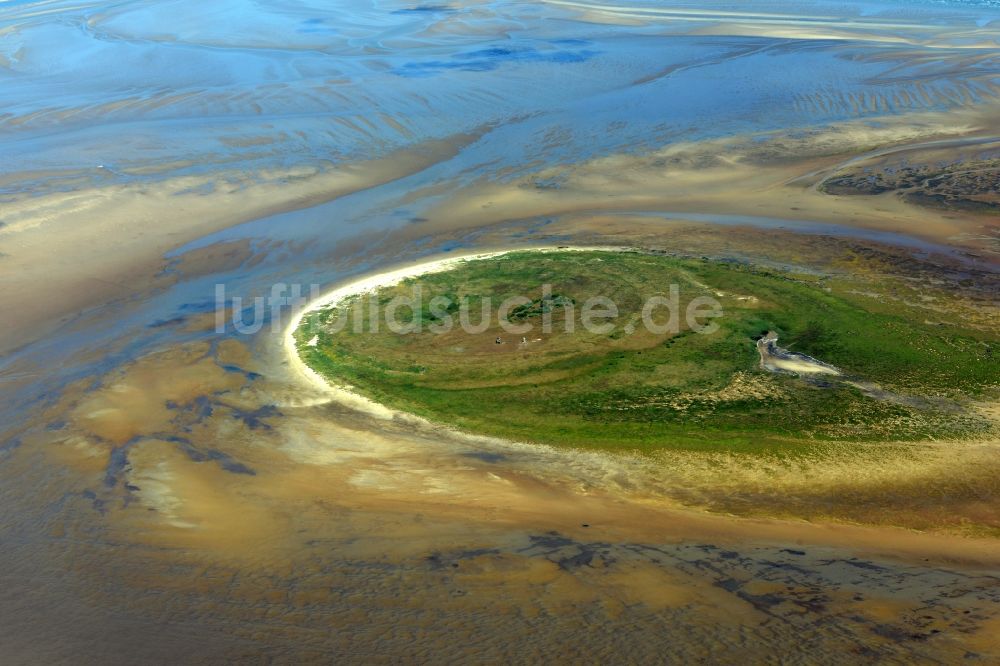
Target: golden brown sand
<point>262,518</point>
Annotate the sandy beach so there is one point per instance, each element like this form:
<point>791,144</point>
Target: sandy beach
<point>365,285</point>
<point>175,494</point>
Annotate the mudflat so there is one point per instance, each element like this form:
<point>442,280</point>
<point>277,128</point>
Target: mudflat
<point>174,490</point>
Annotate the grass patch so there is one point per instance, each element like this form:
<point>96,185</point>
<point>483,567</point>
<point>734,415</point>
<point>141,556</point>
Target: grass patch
<point>629,388</point>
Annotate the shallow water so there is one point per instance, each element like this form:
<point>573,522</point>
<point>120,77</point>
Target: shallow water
<point>135,91</point>
<point>172,491</point>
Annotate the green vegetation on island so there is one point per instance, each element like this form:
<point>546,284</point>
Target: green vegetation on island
<point>624,386</point>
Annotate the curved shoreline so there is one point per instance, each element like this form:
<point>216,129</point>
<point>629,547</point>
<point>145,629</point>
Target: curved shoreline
<point>895,542</point>
<point>344,393</point>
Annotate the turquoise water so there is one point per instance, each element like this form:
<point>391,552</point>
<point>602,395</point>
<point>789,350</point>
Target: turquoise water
<point>94,93</point>
<point>231,91</point>
<point>223,93</point>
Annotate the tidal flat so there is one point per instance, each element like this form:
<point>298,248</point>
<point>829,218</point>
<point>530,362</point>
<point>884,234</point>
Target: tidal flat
<point>173,491</point>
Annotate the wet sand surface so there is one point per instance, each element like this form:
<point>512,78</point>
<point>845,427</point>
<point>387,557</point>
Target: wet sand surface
<point>172,493</point>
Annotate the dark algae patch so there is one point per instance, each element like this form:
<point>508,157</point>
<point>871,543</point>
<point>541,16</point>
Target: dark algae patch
<point>629,387</point>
